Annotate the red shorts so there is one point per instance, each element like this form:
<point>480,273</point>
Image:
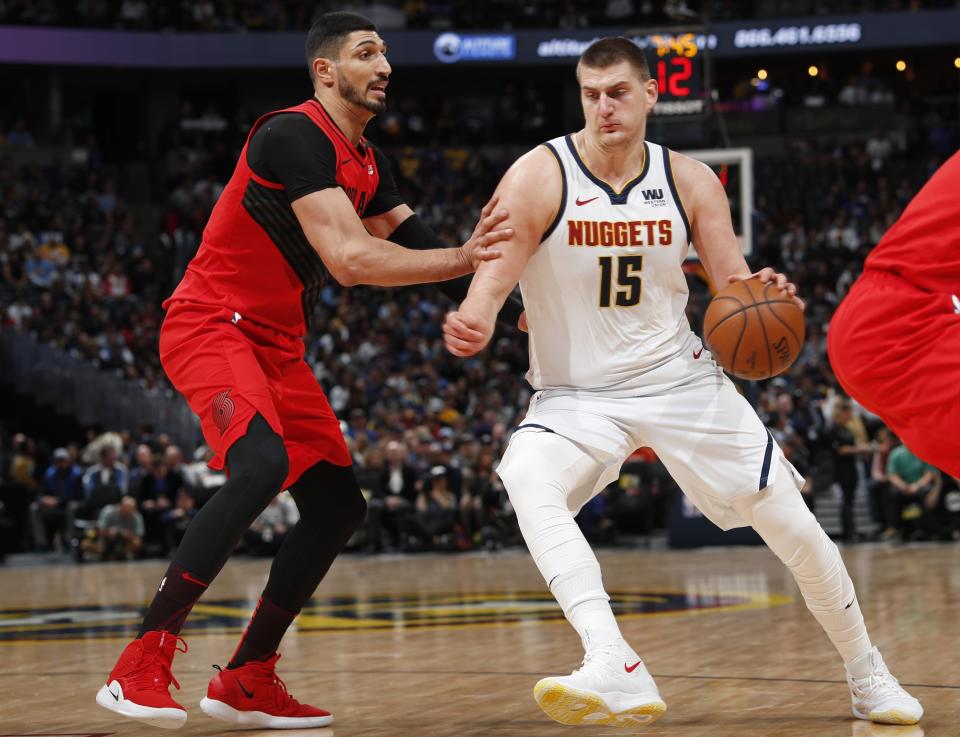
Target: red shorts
<point>896,349</point>
<point>228,372</point>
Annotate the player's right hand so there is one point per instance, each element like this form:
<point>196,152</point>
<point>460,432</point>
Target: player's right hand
<point>466,334</point>
<point>480,246</point>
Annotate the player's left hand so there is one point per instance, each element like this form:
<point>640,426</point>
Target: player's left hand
<point>782,282</point>
<point>491,229</point>
<point>466,333</point>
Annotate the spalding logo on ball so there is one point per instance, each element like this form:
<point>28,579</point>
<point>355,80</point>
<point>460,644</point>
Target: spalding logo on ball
<point>754,330</point>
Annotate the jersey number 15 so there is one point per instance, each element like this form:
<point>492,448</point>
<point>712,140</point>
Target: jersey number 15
<point>629,284</point>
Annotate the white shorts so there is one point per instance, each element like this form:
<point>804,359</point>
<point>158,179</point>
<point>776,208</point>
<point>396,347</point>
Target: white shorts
<point>706,434</point>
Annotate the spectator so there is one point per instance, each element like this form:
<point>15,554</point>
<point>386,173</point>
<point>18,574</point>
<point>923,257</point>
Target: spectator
<point>917,485</point>
<point>176,519</point>
<point>61,486</point>
<point>436,509</point>
<point>846,451</point>
<point>19,135</point>
<point>204,480</point>
<point>23,467</point>
<point>105,482</point>
<point>390,509</point>
<point>142,469</point>
<point>268,531</point>
<point>155,496</point>
<point>119,533</point>
<point>883,500</point>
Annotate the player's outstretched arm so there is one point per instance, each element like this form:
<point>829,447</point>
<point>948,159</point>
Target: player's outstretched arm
<point>353,256</point>
<point>403,226</point>
<point>531,190</point>
<point>712,229</point>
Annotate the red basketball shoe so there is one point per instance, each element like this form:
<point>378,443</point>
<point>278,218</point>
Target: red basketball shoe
<point>139,684</point>
<point>254,695</point>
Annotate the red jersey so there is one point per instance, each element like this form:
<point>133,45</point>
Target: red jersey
<point>923,246</point>
<point>254,258</point>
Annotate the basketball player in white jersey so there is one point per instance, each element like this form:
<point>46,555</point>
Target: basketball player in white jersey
<point>603,220</point>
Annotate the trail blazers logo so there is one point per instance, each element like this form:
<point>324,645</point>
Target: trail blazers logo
<point>223,408</point>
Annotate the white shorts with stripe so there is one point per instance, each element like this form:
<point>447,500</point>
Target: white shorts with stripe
<point>706,434</point>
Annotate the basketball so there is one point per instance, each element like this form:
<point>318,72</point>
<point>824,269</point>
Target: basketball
<point>753,329</point>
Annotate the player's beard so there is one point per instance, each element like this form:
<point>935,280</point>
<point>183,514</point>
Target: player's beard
<point>354,95</point>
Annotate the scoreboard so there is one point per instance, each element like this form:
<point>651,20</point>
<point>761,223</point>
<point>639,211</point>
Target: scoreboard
<point>676,62</point>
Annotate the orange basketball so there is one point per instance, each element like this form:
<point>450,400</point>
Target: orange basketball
<point>754,330</point>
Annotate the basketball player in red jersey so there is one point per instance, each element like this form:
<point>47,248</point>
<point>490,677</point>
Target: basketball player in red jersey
<point>894,342</point>
<point>309,197</point>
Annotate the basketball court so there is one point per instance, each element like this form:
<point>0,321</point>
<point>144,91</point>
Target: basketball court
<point>451,646</point>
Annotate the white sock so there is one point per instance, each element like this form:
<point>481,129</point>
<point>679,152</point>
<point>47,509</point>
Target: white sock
<point>586,605</point>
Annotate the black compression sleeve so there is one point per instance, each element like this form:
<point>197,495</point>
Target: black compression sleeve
<point>387,196</point>
<point>416,234</point>
<point>291,150</point>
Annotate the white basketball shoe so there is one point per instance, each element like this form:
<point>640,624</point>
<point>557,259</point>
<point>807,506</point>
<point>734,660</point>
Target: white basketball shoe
<point>876,694</point>
<point>612,687</point>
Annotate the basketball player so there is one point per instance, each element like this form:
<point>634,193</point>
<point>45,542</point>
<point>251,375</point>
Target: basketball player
<point>309,197</point>
<point>894,342</point>
<point>603,221</point>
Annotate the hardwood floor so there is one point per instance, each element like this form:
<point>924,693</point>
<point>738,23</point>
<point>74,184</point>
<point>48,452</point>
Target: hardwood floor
<point>452,645</point>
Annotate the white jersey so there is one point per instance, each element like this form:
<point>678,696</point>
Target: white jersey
<point>605,292</point>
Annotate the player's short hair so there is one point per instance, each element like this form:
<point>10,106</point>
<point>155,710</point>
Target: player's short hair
<point>605,52</point>
<point>328,31</point>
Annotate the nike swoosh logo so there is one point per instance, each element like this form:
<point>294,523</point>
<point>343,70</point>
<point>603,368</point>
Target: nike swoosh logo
<point>116,697</point>
<point>631,668</point>
<point>584,202</point>
<point>696,354</point>
<point>248,694</point>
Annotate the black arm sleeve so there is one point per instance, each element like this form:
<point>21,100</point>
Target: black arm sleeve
<point>387,196</point>
<point>416,234</point>
<point>290,150</point>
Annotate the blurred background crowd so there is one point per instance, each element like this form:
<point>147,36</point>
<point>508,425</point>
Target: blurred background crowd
<point>295,15</point>
<point>97,228</point>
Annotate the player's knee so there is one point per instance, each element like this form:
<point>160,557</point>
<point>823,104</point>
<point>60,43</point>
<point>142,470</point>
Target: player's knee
<point>782,519</point>
<point>522,477</point>
<point>271,465</point>
<point>327,494</point>
<point>260,459</point>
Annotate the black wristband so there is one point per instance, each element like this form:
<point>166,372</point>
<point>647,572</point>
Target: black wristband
<point>415,234</point>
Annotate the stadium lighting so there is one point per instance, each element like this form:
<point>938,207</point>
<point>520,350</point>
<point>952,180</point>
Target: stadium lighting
<point>813,71</point>
<point>901,65</point>
<point>762,74</point>
<point>956,62</point>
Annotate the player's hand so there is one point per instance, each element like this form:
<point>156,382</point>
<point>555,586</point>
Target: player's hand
<point>522,323</point>
<point>491,229</point>
<point>782,282</point>
<point>466,333</point>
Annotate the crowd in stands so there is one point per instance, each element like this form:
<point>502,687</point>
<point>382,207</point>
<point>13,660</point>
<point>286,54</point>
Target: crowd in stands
<point>74,270</point>
<point>294,15</point>
<point>425,429</point>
